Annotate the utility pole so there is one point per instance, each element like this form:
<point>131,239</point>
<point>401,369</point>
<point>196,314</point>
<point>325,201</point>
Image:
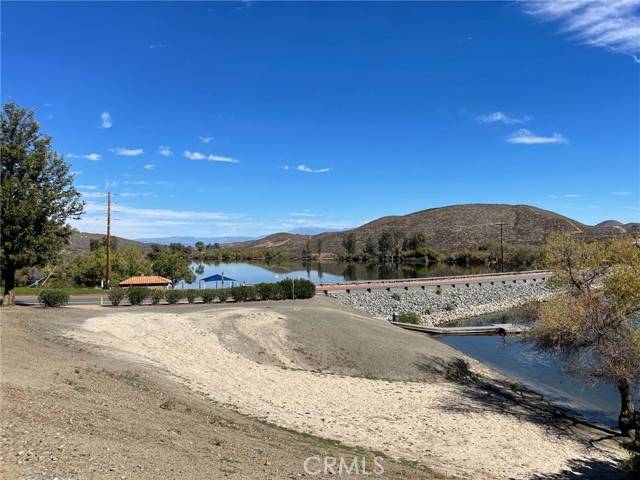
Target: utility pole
<point>108,276</point>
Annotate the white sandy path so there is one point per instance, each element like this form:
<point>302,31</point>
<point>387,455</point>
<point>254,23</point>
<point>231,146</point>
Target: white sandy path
<point>402,419</point>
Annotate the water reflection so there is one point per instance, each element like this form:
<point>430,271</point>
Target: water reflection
<point>326,272</point>
<point>544,373</point>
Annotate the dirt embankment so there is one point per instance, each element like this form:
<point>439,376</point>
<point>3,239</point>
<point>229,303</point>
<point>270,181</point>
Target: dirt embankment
<point>146,388</point>
<point>69,411</point>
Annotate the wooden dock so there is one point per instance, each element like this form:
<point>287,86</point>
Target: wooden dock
<point>494,329</point>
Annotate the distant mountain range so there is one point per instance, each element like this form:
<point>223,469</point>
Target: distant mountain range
<point>192,240</point>
<point>449,228</point>
<point>626,227</point>
<point>186,240</point>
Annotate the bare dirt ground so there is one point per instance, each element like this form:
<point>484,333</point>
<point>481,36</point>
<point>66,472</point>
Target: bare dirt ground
<point>70,412</point>
<point>196,392</point>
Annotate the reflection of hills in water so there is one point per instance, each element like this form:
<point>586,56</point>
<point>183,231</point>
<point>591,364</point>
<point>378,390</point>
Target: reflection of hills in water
<point>355,271</point>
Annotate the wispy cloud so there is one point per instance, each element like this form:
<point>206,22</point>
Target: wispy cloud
<point>304,168</point>
<point>149,166</point>
<point>305,214</point>
<point>110,184</point>
<point>621,194</point>
<point>135,194</point>
<point>611,24</point>
<point>165,151</point>
<point>136,182</point>
<point>500,117</point>
<point>153,46</point>
<point>94,157</point>
<point>527,137</point>
<point>194,155</point>
<point>565,195</point>
<point>206,139</point>
<point>87,187</point>
<point>218,158</point>
<point>105,118</point>
<point>127,152</point>
<point>93,194</point>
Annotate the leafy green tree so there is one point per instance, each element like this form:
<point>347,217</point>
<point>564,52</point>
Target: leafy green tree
<point>89,270</point>
<point>370,247</point>
<point>414,242</point>
<point>37,196</point>
<point>385,243</point>
<point>174,267</point>
<point>590,323</point>
<point>349,241</point>
<point>199,246</point>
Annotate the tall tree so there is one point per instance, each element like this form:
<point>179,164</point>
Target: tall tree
<point>590,323</point>
<point>173,266</point>
<point>37,196</point>
<point>349,243</point>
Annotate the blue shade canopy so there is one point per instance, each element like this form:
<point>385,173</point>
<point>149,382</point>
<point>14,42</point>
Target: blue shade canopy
<point>217,278</point>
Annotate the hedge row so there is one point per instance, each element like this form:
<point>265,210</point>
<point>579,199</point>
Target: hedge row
<point>260,291</point>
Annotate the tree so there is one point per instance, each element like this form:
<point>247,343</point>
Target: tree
<point>174,267</point>
<point>199,246</point>
<point>349,243</point>
<point>414,242</point>
<point>89,269</point>
<point>370,247</point>
<point>319,247</point>
<point>385,243</point>
<point>398,237</point>
<point>590,322</point>
<point>37,196</point>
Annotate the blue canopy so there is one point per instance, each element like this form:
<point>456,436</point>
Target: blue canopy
<point>217,278</point>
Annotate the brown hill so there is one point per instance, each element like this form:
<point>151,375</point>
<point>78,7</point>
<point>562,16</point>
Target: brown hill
<point>80,242</point>
<point>449,228</point>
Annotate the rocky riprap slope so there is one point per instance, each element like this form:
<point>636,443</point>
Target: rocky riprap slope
<point>450,304</point>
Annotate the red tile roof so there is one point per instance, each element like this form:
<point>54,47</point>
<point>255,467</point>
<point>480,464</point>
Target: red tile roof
<point>145,280</point>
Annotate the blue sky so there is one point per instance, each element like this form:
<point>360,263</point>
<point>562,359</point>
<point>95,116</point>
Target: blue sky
<point>240,118</point>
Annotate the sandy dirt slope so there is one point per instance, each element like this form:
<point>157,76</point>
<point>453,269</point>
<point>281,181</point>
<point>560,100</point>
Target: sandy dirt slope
<point>71,412</point>
<point>261,361</point>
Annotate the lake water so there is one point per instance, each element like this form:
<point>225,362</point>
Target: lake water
<point>517,360</point>
<point>326,272</point>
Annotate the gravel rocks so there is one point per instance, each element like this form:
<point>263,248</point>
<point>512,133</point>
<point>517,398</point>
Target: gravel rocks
<point>450,304</point>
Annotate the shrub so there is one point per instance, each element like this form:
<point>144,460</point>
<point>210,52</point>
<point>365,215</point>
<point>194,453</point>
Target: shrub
<point>395,296</point>
<point>156,296</point>
<point>190,295</point>
<point>137,295</point>
<point>242,293</point>
<point>410,317</point>
<point>53,298</point>
<point>303,288</point>
<point>173,296</point>
<point>438,291</point>
<point>208,295</point>
<point>222,294</point>
<point>450,307</point>
<point>116,296</point>
<point>268,291</point>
